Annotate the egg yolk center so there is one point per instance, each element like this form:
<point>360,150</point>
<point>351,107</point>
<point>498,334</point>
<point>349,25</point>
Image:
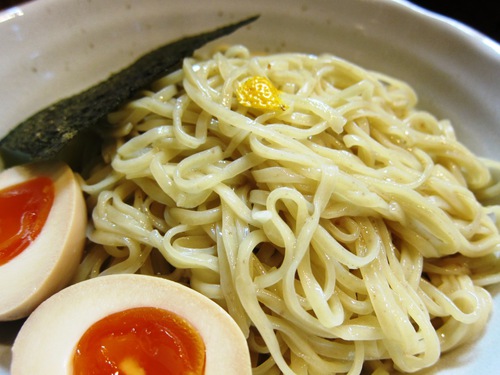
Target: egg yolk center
<point>140,341</point>
<point>24,209</point>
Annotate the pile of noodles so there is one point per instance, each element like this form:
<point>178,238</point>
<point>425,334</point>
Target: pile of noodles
<point>343,232</point>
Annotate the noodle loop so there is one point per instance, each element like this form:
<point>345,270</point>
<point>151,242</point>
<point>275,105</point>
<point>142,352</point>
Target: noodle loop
<point>343,229</point>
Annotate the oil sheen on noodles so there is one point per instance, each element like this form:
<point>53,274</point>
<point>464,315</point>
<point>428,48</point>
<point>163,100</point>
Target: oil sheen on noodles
<point>343,231</point>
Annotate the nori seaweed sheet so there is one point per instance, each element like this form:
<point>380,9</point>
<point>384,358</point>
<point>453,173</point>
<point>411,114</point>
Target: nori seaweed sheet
<point>43,135</point>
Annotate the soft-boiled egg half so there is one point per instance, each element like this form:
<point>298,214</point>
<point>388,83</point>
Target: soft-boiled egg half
<point>42,234</point>
<point>130,324</point>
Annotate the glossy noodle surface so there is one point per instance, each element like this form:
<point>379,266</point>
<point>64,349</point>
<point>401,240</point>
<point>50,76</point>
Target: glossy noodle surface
<point>342,229</point>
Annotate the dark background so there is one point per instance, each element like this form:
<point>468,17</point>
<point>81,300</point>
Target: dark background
<point>482,15</point>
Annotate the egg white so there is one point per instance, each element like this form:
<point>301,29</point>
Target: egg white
<point>47,340</point>
<point>49,262</point>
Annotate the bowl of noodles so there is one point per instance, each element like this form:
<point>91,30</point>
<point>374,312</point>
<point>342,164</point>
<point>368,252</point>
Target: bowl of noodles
<point>327,174</point>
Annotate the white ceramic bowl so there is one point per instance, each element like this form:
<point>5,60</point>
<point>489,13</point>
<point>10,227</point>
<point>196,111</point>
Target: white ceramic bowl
<point>54,48</point>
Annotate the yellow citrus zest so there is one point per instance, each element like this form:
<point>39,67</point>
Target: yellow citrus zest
<point>259,92</point>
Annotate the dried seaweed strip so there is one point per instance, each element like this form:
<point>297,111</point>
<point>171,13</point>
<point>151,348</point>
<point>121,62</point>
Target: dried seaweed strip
<point>43,135</point>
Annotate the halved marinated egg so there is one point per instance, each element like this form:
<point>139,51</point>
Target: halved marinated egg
<point>42,234</point>
<point>130,324</point>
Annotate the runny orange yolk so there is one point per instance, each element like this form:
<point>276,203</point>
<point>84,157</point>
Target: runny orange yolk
<point>140,341</point>
<point>24,209</point>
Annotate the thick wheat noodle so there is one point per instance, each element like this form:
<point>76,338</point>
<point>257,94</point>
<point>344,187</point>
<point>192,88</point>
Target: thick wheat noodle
<point>342,232</point>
